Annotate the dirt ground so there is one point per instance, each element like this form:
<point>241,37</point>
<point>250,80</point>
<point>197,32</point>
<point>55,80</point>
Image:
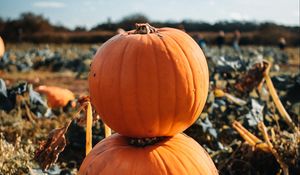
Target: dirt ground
<point>68,79</point>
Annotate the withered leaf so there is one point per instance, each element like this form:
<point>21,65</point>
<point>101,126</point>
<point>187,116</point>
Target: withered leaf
<point>48,151</point>
<point>84,101</point>
<point>252,78</point>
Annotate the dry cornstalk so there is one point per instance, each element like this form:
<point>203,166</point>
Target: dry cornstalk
<point>263,130</point>
<point>107,130</point>
<point>86,104</point>
<point>88,133</point>
<point>276,99</point>
<point>235,100</point>
<point>89,124</point>
<point>49,150</point>
<point>249,137</point>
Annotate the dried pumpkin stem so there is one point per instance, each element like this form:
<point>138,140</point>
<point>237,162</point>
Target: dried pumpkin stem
<point>144,28</point>
<point>89,122</point>
<point>276,99</point>
<point>263,130</point>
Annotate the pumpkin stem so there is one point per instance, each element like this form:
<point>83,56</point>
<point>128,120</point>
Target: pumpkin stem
<point>144,28</point>
<point>142,142</point>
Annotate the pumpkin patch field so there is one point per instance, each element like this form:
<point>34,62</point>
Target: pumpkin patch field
<point>149,101</point>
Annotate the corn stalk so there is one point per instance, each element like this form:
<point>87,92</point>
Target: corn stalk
<point>286,117</point>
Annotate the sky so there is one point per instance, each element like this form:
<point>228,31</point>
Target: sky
<point>89,13</point>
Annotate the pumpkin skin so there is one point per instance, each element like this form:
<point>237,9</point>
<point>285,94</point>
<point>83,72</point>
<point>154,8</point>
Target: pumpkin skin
<point>177,155</point>
<point>56,97</point>
<point>2,47</point>
<point>148,85</point>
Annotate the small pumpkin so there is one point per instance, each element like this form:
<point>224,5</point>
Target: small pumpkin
<point>149,82</point>
<point>177,155</point>
<point>56,96</point>
<point>2,47</point>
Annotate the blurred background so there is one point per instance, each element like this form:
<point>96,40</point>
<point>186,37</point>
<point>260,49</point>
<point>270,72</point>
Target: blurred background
<point>91,21</point>
<point>47,46</point>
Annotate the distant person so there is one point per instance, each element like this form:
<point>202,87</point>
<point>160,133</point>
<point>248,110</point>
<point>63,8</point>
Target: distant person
<point>20,34</point>
<point>220,40</point>
<point>236,40</point>
<point>281,43</point>
<point>202,42</point>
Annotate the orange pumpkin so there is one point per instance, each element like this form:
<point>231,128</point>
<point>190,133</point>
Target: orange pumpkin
<point>149,82</point>
<point>177,155</point>
<point>56,96</point>
<point>2,48</point>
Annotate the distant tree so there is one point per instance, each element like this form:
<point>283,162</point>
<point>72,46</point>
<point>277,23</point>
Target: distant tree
<point>108,25</point>
<point>31,23</point>
<point>269,26</point>
<point>35,28</point>
<point>128,22</point>
<point>60,28</point>
<point>80,29</point>
<point>2,25</point>
<point>27,24</point>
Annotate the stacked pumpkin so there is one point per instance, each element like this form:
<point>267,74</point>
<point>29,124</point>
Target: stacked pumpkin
<point>149,85</point>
